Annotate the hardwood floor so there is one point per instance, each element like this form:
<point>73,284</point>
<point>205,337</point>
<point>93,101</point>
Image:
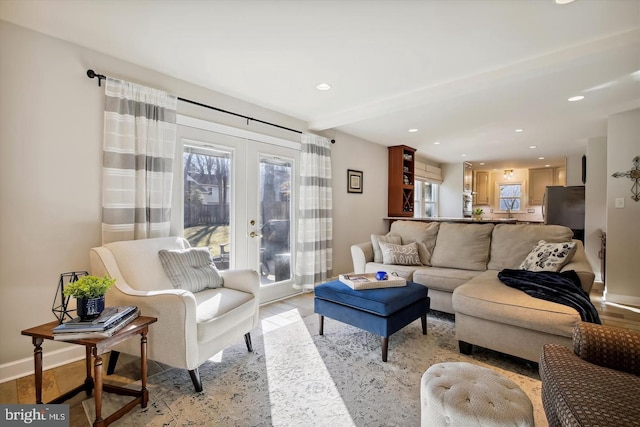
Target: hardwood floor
<point>272,316</point>
<point>622,316</point>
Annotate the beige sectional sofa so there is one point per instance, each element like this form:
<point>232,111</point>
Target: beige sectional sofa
<point>460,263</point>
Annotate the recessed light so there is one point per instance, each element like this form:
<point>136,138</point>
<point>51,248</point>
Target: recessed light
<point>519,130</point>
<point>436,143</point>
<point>463,155</point>
<point>481,163</point>
<point>540,158</point>
<point>576,98</point>
<point>546,166</point>
<point>533,146</point>
<point>413,130</point>
<point>323,86</point>
<point>564,1</point>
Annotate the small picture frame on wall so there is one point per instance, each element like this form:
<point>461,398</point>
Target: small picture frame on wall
<point>354,181</point>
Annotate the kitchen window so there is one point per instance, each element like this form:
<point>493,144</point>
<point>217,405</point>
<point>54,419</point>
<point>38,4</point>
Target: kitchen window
<point>510,196</point>
<point>425,199</point>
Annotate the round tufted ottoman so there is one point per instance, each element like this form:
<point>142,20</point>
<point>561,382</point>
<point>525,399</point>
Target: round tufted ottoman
<point>462,394</point>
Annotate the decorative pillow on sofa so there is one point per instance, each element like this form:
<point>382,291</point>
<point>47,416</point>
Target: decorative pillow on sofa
<point>547,256</point>
<point>400,254</point>
<point>387,238</point>
<point>190,269</point>
<point>424,234</point>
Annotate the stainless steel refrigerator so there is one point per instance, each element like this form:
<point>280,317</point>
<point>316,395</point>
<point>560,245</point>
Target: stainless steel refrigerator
<point>565,206</point>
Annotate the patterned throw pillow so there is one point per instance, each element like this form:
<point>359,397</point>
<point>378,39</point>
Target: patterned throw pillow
<point>547,256</point>
<point>377,239</point>
<point>400,254</point>
<point>191,269</point>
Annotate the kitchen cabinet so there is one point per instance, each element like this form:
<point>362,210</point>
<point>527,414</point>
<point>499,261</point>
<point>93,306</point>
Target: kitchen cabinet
<point>401,181</point>
<point>481,188</point>
<point>539,179</point>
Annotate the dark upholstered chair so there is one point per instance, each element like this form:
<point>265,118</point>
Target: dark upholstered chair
<point>597,384</point>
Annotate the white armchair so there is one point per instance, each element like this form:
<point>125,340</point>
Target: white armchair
<point>191,327</point>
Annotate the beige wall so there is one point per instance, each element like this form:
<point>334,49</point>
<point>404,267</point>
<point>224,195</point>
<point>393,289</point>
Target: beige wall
<point>357,216</point>
<point>595,200</point>
<point>450,201</point>
<point>50,175</point>
<point>623,225</point>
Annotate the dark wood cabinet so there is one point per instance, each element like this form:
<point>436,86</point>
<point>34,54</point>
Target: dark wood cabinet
<point>401,180</point>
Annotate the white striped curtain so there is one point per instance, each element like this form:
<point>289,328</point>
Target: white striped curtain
<point>138,151</point>
<point>314,253</point>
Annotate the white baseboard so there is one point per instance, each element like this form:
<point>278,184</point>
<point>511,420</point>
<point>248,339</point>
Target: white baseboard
<point>621,299</point>
<point>24,367</point>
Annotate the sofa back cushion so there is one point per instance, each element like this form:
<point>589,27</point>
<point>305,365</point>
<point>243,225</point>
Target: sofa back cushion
<point>511,243</point>
<point>422,233</point>
<point>464,246</point>
<point>139,263</point>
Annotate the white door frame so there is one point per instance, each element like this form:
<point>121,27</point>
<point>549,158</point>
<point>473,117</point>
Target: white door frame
<point>239,208</point>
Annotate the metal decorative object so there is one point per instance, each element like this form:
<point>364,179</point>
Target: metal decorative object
<point>60,302</point>
<point>634,175</point>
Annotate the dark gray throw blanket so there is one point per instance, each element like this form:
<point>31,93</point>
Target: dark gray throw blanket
<point>563,288</point>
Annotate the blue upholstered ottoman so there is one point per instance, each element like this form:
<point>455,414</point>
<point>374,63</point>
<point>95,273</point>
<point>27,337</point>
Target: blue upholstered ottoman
<point>382,311</point>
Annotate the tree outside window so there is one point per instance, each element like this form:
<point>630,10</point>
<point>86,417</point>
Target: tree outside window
<point>510,197</point>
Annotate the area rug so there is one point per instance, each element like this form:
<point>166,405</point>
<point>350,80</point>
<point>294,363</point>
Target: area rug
<point>296,377</point>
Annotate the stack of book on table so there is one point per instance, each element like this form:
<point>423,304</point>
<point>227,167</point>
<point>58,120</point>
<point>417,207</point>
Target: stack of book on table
<point>110,321</point>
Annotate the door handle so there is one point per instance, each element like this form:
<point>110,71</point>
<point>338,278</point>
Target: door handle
<point>253,235</point>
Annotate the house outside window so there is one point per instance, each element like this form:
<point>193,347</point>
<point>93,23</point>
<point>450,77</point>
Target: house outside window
<point>510,197</point>
<point>425,199</point>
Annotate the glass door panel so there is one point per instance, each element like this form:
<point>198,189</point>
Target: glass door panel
<point>275,219</point>
<point>206,199</point>
<point>237,197</point>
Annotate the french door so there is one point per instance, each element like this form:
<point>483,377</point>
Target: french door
<point>236,195</point>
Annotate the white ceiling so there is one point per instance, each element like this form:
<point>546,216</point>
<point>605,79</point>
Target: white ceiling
<point>466,73</point>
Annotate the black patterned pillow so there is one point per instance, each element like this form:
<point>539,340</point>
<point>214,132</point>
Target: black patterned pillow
<point>190,269</point>
<point>547,256</point>
<point>400,254</point>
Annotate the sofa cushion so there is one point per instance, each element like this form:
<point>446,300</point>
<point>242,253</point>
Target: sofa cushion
<point>424,234</point>
<point>400,254</point>
<point>218,310</point>
<point>190,269</point>
<point>486,297</point>
<point>511,243</point>
<point>547,256</point>
<point>387,238</point>
<point>464,246</point>
<point>443,279</point>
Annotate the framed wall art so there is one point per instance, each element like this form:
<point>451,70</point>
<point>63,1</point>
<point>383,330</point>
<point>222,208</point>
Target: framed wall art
<point>354,181</point>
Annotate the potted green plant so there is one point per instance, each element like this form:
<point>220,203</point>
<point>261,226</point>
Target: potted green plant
<point>477,213</point>
<point>89,292</point>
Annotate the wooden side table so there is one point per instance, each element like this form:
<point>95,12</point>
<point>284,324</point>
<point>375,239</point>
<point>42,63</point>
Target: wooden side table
<point>96,347</point>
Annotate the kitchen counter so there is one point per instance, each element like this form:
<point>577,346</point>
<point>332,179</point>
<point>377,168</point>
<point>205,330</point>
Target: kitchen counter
<point>462,220</point>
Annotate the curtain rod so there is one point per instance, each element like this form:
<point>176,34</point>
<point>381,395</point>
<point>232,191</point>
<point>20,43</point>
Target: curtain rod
<point>92,74</point>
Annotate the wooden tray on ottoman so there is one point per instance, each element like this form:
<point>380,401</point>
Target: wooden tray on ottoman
<point>368,281</point>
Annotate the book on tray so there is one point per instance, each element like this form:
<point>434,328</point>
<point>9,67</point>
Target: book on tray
<point>112,323</point>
